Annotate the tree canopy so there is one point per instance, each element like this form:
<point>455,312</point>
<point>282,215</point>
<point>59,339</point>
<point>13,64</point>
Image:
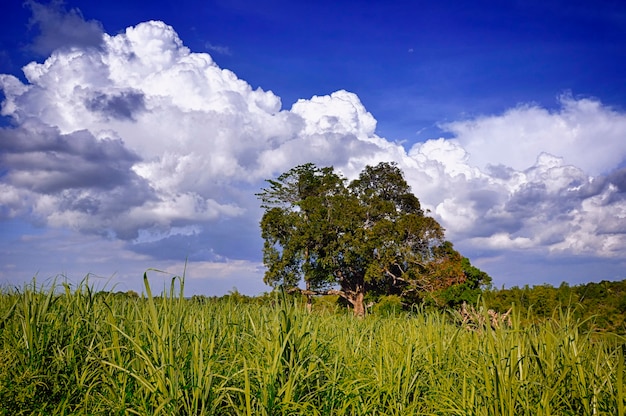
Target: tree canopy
<point>369,235</point>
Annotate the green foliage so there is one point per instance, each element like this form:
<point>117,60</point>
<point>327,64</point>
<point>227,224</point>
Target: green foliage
<point>366,237</point>
<point>388,305</point>
<point>599,305</point>
<point>469,291</point>
<point>67,352</point>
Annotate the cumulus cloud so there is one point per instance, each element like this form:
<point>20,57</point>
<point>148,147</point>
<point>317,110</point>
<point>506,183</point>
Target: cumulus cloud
<point>531,179</point>
<point>40,159</point>
<point>583,132</point>
<point>147,142</point>
<point>60,28</point>
<point>142,136</point>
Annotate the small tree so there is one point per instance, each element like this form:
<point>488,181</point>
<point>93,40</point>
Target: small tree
<point>476,281</point>
<point>370,235</point>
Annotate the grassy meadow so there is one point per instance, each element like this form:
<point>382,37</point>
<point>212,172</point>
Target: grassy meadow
<point>69,350</point>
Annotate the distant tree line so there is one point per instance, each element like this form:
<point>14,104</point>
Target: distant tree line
<point>598,306</point>
<point>602,306</point>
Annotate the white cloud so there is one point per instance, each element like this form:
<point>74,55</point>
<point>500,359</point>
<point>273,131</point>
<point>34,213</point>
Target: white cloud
<point>583,132</point>
<point>504,241</point>
<point>220,49</point>
<point>339,113</point>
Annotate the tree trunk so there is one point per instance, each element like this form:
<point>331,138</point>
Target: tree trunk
<point>309,298</point>
<point>357,301</point>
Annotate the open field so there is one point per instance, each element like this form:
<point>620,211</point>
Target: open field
<point>72,351</point>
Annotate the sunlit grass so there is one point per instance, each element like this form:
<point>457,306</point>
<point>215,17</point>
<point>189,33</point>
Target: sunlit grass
<point>73,351</point>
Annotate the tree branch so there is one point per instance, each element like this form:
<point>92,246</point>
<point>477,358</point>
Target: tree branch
<point>320,292</point>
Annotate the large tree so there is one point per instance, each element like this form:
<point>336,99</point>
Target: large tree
<point>352,238</point>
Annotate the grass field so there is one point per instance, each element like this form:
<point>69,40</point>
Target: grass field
<point>73,351</point>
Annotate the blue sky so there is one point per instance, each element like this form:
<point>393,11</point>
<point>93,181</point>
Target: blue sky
<point>138,132</point>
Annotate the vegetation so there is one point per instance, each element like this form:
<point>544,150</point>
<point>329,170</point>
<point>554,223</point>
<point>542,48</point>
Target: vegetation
<point>368,237</point>
<point>70,350</point>
<point>599,305</point>
<point>436,340</point>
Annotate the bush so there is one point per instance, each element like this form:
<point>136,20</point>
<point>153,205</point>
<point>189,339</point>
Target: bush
<point>390,305</point>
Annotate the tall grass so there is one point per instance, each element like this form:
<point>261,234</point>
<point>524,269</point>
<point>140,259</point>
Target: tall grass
<point>70,350</point>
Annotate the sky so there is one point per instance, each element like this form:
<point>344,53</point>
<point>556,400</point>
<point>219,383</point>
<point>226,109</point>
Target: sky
<point>134,135</point>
